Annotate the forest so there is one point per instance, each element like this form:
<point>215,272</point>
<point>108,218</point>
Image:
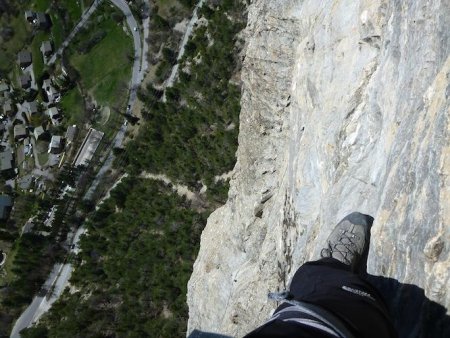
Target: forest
<point>135,261</point>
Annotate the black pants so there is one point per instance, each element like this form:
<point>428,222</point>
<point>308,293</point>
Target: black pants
<point>331,285</point>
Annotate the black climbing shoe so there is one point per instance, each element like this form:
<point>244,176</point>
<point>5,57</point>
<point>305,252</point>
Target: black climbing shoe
<point>349,241</point>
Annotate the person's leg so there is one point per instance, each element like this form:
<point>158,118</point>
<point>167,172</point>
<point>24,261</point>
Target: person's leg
<point>335,282</point>
<point>349,241</point>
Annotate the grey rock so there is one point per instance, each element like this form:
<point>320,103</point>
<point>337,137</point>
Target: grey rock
<point>344,108</point>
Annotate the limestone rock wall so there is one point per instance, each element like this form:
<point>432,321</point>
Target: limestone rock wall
<point>344,108</point>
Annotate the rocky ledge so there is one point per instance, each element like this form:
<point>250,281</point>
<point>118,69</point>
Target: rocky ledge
<point>344,108</point>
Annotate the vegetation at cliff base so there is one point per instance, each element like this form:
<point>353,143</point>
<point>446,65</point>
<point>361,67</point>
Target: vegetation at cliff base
<point>136,258</point>
<point>133,267</point>
<point>193,135</point>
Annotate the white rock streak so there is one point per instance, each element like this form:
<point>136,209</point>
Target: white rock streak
<point>344,109</point>
<point>170,80</point>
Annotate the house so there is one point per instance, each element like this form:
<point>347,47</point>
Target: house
<point>71,133</point>
<point>52,94</point>
<point>31,108</point>
<point>7,107</point>
<point>27,146</point>
<point>29,16</point>
<point>19,132</point>
<point>56,144</point>
<point>25,81</point>
<point>54,115</point>
<point>88,147</point>
<point>46,48</point>
<point>4,87</point>
<point>46,85</point>
<point>39,133</point>
<point>41,20</point>
<point>17,121</point>
<point>2,257</point>
<point>6,163</point>
<point>24,58</point>
<point>26,182</point>
<point>6,204</point>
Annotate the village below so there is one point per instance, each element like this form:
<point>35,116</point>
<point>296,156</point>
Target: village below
<point>107,105</point>
<point>59,122</point>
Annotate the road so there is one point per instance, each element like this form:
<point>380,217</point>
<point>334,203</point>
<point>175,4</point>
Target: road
<point>84,18</point>
<point>170,80</point>
<point>60,274</point>
<point>107,164</point>
<point>136,76</point>
<point>146,28</point>
<point>35,309</point>
<point>55,284</point>
<point>139,67</point>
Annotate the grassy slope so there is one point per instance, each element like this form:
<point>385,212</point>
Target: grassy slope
<point>105,70</point>
<point>9,49</point>
<point>38,61</point>
<point>72,105</point>
<point>104,73</point>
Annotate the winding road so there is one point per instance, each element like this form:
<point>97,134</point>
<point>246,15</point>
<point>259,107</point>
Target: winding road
<point>171,79</point>
<point>59,277</point>
<point>139,67</point>
<point>52,289</point>
<point>84,18</point>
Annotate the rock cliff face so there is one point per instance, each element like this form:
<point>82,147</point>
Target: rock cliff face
<point>344,108</point>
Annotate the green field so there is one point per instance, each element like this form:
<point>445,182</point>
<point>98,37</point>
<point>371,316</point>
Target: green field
<point>10,48</point>
<point>22,37</point>
<point>43,158</point>
<point>38,61</point>
<point>74,9</point>
<point>57,30</point>
<point>40,5</point>
<point>105,70</point>
<point>87,3</point>
<point>73,106</point>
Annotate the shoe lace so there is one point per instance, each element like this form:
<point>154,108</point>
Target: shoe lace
<point>345,245</point>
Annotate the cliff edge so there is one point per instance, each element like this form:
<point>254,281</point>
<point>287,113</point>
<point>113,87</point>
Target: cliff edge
<point>344,108</point>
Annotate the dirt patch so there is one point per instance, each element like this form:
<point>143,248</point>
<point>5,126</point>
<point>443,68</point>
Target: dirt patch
<point>105,113</point>
<point>197,199</point>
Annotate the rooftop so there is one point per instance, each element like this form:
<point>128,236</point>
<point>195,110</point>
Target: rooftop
<point>6,202</point>
<point>71,133</point>
<point>42,20</point>
<point>4,87</point>
<point>24,57</point>
<point>56,141</point>
<point>19,131</point>
<point>53,111</point>
<point>46,47</point>
<point>6,159</point>
<point>7,106</point>
<point>25,80</point>
<point>31,107</point>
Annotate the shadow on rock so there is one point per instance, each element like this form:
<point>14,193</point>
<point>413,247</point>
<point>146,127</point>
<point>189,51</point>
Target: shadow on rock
<point>413,314</point>
<point>201,334</point>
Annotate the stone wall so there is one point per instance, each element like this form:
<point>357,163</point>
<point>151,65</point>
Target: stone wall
<point>344,108</point>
